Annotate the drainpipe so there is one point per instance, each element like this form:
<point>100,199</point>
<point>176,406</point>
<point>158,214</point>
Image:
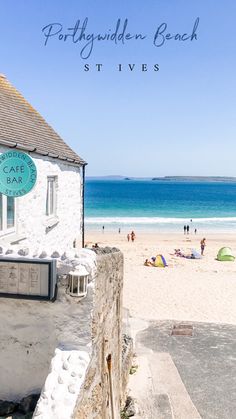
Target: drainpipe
<point>83,186</point>
<point>110,385</point>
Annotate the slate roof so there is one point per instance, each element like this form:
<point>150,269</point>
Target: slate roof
<point>22,127</point>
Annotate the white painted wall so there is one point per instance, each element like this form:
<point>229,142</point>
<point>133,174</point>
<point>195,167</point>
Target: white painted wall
<point>32,220</point>
<point>31,330</point>
<point>62,386</point>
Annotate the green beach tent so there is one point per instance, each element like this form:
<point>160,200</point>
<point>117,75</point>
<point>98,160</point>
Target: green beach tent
<point>225,254</point>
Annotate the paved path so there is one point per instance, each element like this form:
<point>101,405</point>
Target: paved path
<point>186,377</point>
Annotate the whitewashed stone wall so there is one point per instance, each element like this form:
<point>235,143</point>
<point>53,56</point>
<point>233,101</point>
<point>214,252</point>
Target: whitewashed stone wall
<point>32,221</point>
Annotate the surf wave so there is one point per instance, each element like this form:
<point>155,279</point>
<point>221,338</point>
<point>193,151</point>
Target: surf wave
<point>158,220</point>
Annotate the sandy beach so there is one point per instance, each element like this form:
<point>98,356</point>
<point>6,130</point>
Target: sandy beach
<point>187,290</point>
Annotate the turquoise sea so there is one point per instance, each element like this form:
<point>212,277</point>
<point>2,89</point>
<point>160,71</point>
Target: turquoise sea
<point>160,205</point>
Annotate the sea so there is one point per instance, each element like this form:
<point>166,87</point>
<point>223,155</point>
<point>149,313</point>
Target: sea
<point>156,205</point>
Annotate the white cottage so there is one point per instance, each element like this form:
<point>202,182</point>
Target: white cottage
<point>51,216</point>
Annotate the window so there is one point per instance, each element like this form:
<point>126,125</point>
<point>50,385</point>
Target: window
<point>7,214</point>
<point>51,204</point>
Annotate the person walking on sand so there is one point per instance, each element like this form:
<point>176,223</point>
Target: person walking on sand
<point>185,229</point>
<point>128,237</point>
<point>103,228</point>
<point>203,245</point>
<point>132,236</point>
<point>195,231</point>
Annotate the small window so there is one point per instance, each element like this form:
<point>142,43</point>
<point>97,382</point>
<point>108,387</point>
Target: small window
<point>51,204</point>
<point>7,214</point>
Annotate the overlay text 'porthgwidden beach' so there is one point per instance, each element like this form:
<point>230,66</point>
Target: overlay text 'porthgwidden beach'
<point>81,34</point>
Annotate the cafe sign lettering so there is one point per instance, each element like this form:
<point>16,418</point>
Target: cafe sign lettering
<point>18,173</point>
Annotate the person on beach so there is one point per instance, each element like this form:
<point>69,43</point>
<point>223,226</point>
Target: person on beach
<point>119,231</point>
<point>203,245</point>
<point>185,229</point>
<point>128,237</point>
<point>132,236</point>
<point>103,228</point>
<point>195,231</point>
<point>148,263</point>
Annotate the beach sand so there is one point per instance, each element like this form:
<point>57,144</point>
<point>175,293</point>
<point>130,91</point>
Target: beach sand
<point>187,290</point>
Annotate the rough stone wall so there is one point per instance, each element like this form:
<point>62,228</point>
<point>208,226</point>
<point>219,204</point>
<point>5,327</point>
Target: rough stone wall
<point>127,360</point>
<point>32,221</point>
<point>95,398</point>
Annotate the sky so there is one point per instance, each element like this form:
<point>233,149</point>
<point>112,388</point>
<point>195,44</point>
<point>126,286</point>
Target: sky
<point>179,120</point>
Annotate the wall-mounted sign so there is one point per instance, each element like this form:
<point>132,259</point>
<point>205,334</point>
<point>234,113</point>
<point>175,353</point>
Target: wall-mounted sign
<point>27,278</point>
<point>18,173</point>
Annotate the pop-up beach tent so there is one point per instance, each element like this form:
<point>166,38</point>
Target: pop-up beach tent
<point>225,254</point>
<point>160,261</point>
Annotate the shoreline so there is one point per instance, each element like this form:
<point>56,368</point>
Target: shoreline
<point>114,234</point>
<point>167,227</point>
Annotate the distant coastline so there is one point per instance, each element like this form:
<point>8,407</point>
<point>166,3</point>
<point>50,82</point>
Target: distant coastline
<point>167,178</point>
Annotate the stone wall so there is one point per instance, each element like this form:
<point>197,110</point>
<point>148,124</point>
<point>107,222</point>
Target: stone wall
<point>101,394</point>
<point>127,361</point>
<point>89,335</point>
<point>32,329</point>
<point>38,230</point>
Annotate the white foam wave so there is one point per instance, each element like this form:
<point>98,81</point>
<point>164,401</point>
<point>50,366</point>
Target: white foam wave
<point>157,220</point>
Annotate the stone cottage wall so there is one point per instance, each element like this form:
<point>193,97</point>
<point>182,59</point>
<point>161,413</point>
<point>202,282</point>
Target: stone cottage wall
<point>38,230</point>
<point>95,400</point>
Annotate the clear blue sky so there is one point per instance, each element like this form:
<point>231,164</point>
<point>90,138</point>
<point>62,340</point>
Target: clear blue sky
<point>178,121</point>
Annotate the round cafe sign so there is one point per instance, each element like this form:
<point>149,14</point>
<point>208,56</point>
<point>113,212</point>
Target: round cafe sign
<point>18,173</point>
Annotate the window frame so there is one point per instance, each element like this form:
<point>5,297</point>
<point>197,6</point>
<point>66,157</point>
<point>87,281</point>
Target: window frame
<point>7,230</point>
<point>54,181</point>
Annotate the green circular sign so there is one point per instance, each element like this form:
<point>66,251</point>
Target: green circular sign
<point>18,173</point>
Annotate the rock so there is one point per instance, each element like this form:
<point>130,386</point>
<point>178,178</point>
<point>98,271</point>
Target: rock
<point>130,409</point>
<point>43,255</point>
<point>64,256</point>
<point>7,407</point>
<point>72,388</point>
<point>65,365</point>
<point>28,403</point>
<point>24,251</point>
<point>9,252</point>
<point>55,255</point>
<point>60,380</point>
